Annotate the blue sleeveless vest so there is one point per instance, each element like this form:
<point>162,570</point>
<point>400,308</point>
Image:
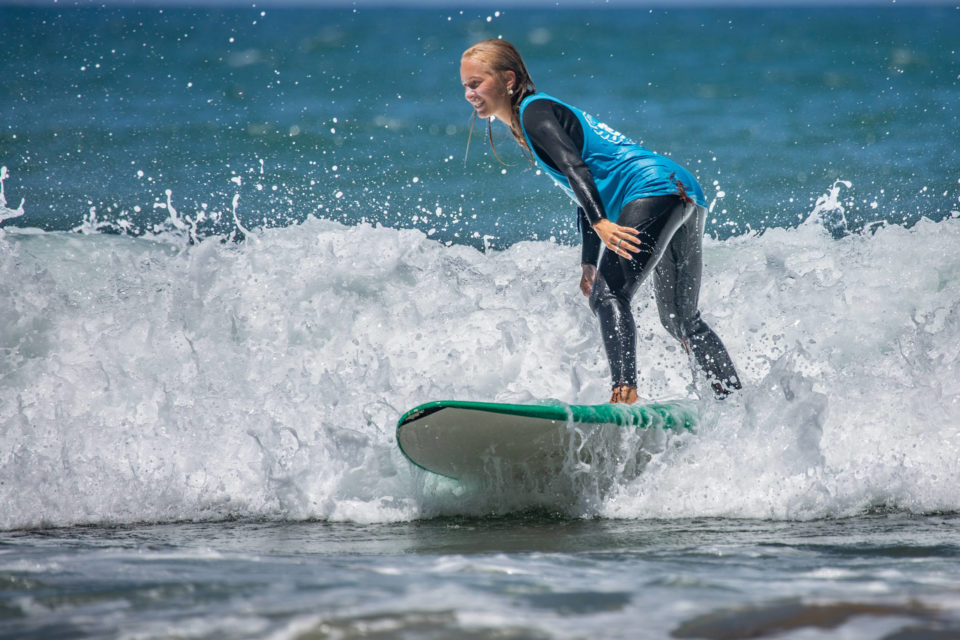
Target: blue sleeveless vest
<point>622,169</point>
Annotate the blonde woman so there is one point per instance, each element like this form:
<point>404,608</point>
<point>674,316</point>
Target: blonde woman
<point>646,210</point>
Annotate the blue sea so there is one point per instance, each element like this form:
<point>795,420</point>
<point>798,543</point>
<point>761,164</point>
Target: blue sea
<point>238,242</point>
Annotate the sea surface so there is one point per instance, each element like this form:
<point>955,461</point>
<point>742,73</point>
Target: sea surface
<point>237,243</point>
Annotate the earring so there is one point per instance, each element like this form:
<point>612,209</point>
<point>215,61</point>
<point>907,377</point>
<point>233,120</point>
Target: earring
<point>510,91</point>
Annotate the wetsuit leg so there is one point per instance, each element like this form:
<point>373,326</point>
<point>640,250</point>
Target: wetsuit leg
<point>657,220</point>
<point>677,287</point>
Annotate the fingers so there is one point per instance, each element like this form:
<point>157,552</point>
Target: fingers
<point>587,279</point>
<point>586,286</point>
<point>623,242</point>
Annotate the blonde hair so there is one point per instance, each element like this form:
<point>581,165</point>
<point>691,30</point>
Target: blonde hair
<point>501,56</point>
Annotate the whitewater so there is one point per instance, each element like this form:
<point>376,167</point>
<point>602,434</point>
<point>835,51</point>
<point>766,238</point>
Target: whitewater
<point>168,377</point>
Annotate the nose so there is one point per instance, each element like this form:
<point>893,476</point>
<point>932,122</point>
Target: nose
<point>470,93</point>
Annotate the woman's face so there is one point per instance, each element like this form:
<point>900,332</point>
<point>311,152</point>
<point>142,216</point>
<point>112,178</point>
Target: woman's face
<point>485,90</point>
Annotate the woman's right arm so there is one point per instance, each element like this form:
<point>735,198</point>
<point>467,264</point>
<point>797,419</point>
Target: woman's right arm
<point>590,241</point>
<point>589,252</point>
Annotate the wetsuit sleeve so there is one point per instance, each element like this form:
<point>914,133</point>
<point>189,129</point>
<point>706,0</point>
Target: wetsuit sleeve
<point>590,241</point>
<point>557,138</point>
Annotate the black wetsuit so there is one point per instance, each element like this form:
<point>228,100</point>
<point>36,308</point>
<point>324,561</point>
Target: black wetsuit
<point>670,238</point>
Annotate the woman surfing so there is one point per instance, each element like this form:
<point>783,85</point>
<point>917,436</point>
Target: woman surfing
<point>646,210</point>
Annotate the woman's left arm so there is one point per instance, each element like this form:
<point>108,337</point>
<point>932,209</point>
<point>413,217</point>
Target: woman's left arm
<point>554,143</point>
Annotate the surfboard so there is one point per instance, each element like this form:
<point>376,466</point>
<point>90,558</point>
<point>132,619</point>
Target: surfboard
<point>475,440</point>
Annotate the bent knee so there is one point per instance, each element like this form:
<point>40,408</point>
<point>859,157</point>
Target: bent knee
<point>602,296</point>
<point>682,328</point>
<point>599,302</point>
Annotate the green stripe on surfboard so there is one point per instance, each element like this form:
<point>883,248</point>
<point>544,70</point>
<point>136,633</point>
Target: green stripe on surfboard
<point>677,414</point>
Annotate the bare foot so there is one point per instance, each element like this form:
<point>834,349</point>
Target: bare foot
<point>624,394</point>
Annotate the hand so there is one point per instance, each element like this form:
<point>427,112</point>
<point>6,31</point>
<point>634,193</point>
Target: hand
<point>587,279</point>
<point>621,240</point>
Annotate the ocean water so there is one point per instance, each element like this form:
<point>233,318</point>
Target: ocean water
<point>236,244</point>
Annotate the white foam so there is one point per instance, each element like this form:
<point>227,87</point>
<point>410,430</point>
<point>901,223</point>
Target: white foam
<point>150,379</point>
<point>7,213</point>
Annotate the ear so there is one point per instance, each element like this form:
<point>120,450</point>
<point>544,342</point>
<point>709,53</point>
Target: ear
<point>510,79</point>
